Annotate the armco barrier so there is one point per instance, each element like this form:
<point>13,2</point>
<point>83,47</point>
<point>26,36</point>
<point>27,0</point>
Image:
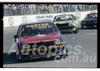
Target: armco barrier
<point>10,21</point>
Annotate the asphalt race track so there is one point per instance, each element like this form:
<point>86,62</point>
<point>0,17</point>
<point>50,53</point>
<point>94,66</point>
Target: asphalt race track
<point>84,45</point>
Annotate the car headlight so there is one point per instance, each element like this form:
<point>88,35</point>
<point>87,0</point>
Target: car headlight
<point>59,41</point>
<point>25,46</point>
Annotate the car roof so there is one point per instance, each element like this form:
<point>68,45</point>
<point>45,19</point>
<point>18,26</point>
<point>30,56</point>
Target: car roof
<point>36,23</point>
<point>92,13</point>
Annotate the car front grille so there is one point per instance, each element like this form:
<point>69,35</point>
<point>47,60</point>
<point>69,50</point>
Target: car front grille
<point>42,43</point>
<point>91,22</point>
<point>62,25</point>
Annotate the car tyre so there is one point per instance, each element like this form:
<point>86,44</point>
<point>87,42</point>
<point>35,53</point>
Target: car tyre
<point>19,60</point>
<point>65,55</point>
<point>66,52</point>
<point>76,31</point>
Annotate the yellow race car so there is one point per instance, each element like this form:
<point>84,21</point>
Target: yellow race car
<point>67,23</point>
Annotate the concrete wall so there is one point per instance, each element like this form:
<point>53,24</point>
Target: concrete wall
<point>10,21</point>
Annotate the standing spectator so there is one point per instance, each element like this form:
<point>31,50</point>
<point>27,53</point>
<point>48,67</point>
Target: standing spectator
<point>5,9</point>
<point>90,7</point>
<point>22,9</point>
<point>10,13</point>
<point>47,8</point>
<point>69,8</point>
<point>42,8</point>
<point>83,7</point>
<point>14,9</point>
<point>95,7</point>
<point>19,9</point>
<point>76,7</point>
<point>80,7</point>
<point>39,9</point>
<point>27,9</point>
<point>87,7</point>
<point>64,7</point>
<point>55,6</point>
<point>30,8</point>
<point>34,8</point>
<point>73,7</point>
<point>60,8</point>
<point>50,8</point>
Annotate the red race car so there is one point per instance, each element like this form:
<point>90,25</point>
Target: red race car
<point>39,40</point>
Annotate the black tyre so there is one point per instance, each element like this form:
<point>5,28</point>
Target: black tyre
<point>19,60</point>
<point>66,52</point>
<point>66,55</point>
<point>76,31</point>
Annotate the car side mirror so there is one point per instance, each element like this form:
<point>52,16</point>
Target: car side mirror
<point>15,36</point>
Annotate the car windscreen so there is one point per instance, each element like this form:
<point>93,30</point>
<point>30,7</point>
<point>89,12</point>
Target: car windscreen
<point>91,16</point>
<point>64,18</point>
<point>38,29</point>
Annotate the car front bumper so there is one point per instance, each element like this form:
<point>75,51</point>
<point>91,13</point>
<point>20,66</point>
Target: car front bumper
<point>90,24</point>
<point>66,27</point>
<point>30,57</point>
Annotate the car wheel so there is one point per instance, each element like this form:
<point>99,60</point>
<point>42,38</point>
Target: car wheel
<point>18,58</point>
<point>65,55</point>
<point>66,52</point>
<point>76,31</point>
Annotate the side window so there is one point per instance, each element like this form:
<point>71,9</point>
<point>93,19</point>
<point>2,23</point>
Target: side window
<point>86,16</point>
<point>54,19</point>
<point>74,18</point>
<point>18,30</point>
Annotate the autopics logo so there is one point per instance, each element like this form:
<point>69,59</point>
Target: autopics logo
<point>24,19</point>
<point>10,20</point>
<point>75,54</point>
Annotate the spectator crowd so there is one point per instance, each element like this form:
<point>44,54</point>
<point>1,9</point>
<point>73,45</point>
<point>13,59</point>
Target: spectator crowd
<point>29,9</point>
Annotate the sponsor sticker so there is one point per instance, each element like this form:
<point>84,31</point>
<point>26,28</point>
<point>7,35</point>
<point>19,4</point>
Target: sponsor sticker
<point>10,20</point>
<point>24,19</point>
<point>37,25</point>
